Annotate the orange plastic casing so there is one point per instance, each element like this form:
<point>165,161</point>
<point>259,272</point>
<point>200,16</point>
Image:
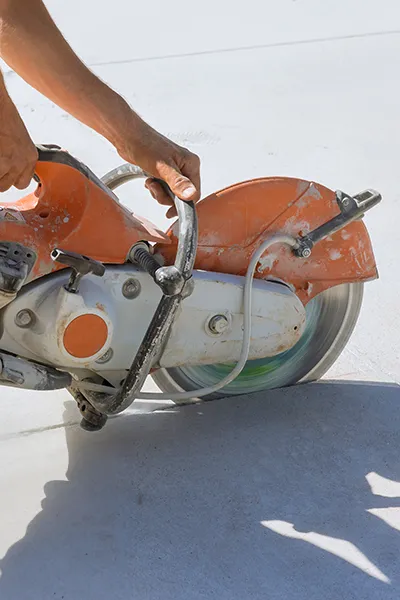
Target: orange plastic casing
<point>235,221</point>
<point>72,212</point>
<point>69,210</point>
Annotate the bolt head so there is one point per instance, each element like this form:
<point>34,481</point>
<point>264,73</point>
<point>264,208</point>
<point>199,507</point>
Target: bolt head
<point>106,357</point>
<point>24,318</point>
<point>218,324</point>
<point>306,252</point>
<point>131,289</point>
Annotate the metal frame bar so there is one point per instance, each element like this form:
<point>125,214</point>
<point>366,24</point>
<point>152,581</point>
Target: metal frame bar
<point>173,294</point>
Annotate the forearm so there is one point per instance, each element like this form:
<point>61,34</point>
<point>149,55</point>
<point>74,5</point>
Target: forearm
<point>33,47</point>
<point>11,125</point>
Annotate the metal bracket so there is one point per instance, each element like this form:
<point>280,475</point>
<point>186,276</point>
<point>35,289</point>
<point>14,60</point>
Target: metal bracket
<point>351,208</point>
<point>30,375</point>
<point>80,265</point>
<point>175,282</point>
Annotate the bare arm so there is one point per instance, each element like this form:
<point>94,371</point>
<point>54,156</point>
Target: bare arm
<point>31,44</point>
<point>18,154</point>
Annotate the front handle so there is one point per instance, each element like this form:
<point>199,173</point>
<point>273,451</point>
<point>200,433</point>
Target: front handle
<point>187,216</point>
<point>187,232</point>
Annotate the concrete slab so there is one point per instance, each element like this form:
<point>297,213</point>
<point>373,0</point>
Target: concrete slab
<point>290,495</point>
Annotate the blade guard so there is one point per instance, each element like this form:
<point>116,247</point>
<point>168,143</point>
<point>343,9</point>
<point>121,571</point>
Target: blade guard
<point>235,221</point>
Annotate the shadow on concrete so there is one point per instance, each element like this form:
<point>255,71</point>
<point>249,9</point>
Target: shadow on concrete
<point>258,497</point>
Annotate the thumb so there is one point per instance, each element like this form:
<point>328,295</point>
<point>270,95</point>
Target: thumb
<point>180,185</point>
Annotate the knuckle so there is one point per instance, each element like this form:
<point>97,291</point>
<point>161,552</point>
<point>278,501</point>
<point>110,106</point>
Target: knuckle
<point>34,152</point>
<point>190,156</point>
<point>164,169</point>
<point>33,158</point>
<point>195,159</point>
<point>23,182</point>
<point>5,184</point>
<point>5,165</point>
<point>180,181</point>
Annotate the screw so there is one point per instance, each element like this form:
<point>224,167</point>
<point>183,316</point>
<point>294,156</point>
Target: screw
<point>24,318</point>
<point>345,202</point>
<point>306,252</point>
<point>106,357</point>
<point>131,289</point>
<point>218,324</point>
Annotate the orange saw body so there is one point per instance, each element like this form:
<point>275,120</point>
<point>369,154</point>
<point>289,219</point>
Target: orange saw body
<point>70,210</point>
<point>266,274</point>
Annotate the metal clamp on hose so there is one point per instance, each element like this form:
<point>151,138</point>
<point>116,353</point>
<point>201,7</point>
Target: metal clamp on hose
<point>172,280</point>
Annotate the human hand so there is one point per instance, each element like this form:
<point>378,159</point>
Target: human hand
<point>163,159</point>
<point>18,154</point>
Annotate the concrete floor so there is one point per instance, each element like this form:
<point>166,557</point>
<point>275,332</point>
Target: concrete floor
<point>287,495</point>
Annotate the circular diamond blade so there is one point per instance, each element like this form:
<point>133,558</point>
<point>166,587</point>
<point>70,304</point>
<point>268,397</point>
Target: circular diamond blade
<point>331,318</point>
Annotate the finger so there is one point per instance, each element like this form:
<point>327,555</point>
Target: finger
<point>158,192</point>
<point>180,185</point>
<point>171,213</point>
<point>7,181</point>
<point>191,170</point>
<point>24,179</point>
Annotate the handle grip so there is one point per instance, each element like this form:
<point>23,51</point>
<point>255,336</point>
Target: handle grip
<point>187,216</point>
<point>82,264</point>
<point>188,232</point>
